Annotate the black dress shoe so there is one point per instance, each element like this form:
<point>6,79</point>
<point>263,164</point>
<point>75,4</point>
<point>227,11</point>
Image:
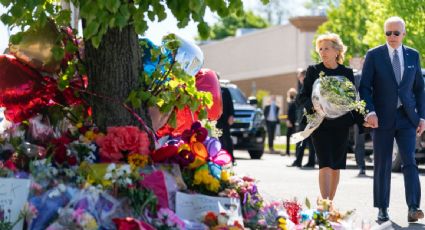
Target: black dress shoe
<point>362,172</point>
<point>414,215</point>
<point>294,165</point>
<point>308,165</point>
<point>383,215</point>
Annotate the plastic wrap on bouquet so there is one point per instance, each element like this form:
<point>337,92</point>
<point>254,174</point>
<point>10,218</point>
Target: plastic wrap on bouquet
<point>328,103</point>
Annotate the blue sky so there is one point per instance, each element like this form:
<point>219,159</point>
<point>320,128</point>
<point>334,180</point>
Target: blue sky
<point>157,30</point>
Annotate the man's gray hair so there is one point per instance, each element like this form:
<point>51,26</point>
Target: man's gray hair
<point>395,19</point>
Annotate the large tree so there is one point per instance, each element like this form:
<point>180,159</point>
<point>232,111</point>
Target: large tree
<point>227,26</point>
<point>360,23</point>
<point>111,29</point>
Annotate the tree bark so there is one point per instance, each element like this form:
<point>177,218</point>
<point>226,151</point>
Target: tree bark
<point>113,71</point>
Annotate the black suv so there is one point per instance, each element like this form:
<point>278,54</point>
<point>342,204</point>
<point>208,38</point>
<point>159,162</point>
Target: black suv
<point>248,132</point>
<point>396,161</point>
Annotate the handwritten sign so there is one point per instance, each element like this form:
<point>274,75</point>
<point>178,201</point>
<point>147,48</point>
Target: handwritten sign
<point>13,196</point>
<point>193,206</point>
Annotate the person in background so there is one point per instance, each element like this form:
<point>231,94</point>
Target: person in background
<point>292,117</point>
<point>225,121</point>
<point>271,113</point>
<point>359,138</point>
<point>393,89</point>
<point>301,123</point>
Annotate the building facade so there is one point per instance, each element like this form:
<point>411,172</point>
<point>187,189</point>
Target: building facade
<point>266,59</point>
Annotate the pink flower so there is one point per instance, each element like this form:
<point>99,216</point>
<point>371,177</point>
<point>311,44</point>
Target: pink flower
<point>122,140</point>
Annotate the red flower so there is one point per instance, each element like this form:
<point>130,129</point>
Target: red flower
<point>131,224</point>
<point>122,139</point>
<point>164,153</point>
<point>10,165</point>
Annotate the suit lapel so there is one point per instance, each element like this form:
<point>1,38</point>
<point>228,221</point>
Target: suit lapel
<point>406,57</point>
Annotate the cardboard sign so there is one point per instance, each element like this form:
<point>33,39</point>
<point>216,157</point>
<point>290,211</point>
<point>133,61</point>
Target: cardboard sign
<point>13,196</point>
<point>194,206</point>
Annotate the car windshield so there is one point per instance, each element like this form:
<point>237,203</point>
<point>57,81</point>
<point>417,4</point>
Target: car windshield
<point>237,96</point>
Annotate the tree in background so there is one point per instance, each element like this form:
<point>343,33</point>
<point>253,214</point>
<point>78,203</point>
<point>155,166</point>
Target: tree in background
<point>413,13</point>
<point>227,26</point>
<point>110,31</point>
<point>360,23</point>
<point>348,20</point>
<point>276,11</point>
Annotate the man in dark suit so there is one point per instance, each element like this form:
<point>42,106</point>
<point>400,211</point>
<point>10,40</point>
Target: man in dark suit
<point>393,89</point>
<point>226,120</point>
<point>271,113</point>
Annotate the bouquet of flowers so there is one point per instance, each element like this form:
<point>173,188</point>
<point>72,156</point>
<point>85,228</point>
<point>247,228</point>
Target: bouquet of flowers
<point>332,97</point>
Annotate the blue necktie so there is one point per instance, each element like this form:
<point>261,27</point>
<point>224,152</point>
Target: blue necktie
<point>397,72</point>
<point>396,67</point>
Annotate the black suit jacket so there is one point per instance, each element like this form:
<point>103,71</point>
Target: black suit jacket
<point>228,109</point>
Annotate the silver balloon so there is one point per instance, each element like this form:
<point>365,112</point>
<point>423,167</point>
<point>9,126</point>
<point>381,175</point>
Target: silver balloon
<point>190,56</point>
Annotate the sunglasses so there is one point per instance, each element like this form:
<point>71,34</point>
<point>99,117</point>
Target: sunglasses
<point>396,33</point>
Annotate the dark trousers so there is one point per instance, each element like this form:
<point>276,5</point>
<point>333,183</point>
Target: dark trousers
<point>405,135</point>
<point>299,152</point>
<point>226,141</point>
<point>359,148</point>
<point>289,132</point>
<point>271,130</point>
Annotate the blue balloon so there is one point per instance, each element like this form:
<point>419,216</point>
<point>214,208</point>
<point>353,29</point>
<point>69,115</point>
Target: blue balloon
<point>215,170</point>
<point>150,65</point>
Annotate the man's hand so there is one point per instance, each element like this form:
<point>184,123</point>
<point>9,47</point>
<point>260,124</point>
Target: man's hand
<point>289,124</point>
<point>372,121</point>
<point>421,127</point>
<point>231,120</point>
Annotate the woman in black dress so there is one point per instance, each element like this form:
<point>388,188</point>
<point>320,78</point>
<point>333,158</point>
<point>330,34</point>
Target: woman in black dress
<point>331,137</point>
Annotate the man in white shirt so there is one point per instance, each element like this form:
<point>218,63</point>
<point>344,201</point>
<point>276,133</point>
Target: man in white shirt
<point>271,112</point>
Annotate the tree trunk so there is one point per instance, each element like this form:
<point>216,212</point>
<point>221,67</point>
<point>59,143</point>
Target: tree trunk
<point>113,71</point>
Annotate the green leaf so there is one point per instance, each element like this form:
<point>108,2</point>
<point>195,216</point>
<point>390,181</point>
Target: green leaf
<point>58,53</point>
<point>91,29</point>
<point>16,38</point>
<point>112,5</point>
<point>6,19</point>
<point>64,17</point>
<point>172,121</point>
<point>140,26</point>
<point>121,21</point>
<point>307,203</point>
<point>96,41</point>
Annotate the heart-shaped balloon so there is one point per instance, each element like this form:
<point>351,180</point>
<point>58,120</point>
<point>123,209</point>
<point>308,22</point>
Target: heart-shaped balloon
<point>222,158</point>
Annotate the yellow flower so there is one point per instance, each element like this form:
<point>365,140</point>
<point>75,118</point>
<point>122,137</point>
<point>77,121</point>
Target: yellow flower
<point>90,135</point>
<point>137,160</point>
<point>79,125</point>
<point>282,223</point>
<point>225,176</point>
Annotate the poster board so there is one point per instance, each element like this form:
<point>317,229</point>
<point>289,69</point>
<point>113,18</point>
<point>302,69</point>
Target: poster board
<point>194,206</point>
<point>13,196</point>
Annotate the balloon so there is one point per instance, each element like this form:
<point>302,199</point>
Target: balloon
<point>222,158</point>
<point>207,81</point>
<point>213,146</point>
<point>189,56</point>
<point>150,65</point>
<point>35,48</point>
<point>215,170</point>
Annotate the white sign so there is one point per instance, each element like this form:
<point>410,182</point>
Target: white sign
<point>13,196</point>
<point>194,206</point>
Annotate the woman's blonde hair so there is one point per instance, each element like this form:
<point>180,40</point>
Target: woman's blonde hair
<point>336,44</point>
<point>291,94</point>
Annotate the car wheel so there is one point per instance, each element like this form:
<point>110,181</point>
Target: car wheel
<point>396,161</point>
<point>256,154</point>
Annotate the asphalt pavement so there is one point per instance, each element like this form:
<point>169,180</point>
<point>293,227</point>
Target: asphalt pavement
<point>276,181</point>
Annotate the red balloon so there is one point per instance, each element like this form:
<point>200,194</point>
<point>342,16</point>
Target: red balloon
<point>24,92</point>
<point>207,81</point>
